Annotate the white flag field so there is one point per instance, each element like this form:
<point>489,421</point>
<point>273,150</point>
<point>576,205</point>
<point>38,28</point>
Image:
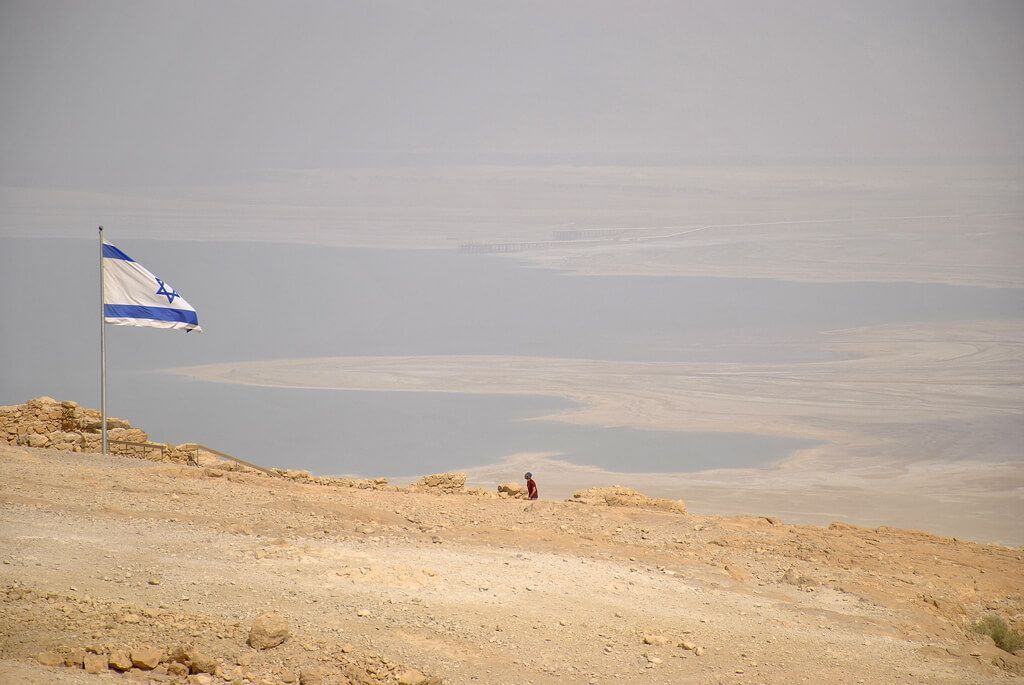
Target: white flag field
<point>132,296</point>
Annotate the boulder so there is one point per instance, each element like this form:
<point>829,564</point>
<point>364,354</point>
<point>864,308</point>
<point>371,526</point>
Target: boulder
<point>193,658</point>
<point>200,662</point>
<point>481,492</point>
<point>512,490</point>
<point>618,496</point>
<point>50,659</point>
<point>37,440</point>
<point>791,577</point>
<point>146,658</point>
<point>311,676</point>
<point>268,630</point>
<point>95,663</point>
<point>176,669</point>
<point>411,677</point>
<point>119,660</point>
<point>442,482</point>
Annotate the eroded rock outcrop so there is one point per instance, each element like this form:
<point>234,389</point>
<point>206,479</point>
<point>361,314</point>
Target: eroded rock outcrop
<point>618,496</point>
<point>441,483</point>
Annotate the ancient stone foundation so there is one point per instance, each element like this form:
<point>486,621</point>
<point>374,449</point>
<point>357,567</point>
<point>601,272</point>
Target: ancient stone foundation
<point>45,422</point>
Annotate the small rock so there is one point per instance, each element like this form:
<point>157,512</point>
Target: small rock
<point>201,663</point>
<point>687,644</point>
<point>175,668</point>
<point>411,677</point>
<point>311,676</point>
<point>268,630</point>
<point>146,658</point>
<point>119,660</point>
<point>95,663</point>
<point>737,573</point>
<point>791,577</point>
<point>699,651</point>
<point>363,613</point>
<point>153,581</point>
<point>656,640</point>
<point>203,679</point>
<point>50,659</point>
<point>179,654</point>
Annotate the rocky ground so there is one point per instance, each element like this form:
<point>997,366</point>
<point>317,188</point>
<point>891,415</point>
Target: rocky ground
<point>109,561</point>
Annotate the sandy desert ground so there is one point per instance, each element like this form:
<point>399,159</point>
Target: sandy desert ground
<point>919,424</point>
<point>109,553</point>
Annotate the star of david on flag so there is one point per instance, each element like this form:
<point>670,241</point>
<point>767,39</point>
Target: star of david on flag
<point>132,296</point>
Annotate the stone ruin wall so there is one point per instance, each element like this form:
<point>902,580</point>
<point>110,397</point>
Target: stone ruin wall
<point>45,422</point>
<point>50,424</point>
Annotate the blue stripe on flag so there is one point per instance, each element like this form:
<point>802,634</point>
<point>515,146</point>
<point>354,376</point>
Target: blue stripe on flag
<point>132,311</point>
<point>112,252</point>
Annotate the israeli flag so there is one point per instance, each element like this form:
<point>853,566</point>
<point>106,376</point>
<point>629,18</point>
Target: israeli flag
<point>134,297</point>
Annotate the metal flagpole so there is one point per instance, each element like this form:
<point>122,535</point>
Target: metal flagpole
<point>103,353</point>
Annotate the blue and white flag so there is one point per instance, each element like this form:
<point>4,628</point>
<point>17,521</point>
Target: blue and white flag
<point>134,297</point>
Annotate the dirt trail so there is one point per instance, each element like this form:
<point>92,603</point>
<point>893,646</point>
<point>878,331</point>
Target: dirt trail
<point>115,552</point>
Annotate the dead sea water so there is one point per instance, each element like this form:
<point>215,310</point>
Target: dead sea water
<point>260,301</point>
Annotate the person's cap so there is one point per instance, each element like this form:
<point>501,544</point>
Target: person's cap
<point>528,475</point>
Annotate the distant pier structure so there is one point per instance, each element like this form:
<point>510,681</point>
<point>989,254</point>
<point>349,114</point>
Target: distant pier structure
<point>493,248</point>
<point>577,234</point>
<point>559,237</point>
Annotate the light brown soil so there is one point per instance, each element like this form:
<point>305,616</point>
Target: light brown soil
<point>472,589</point>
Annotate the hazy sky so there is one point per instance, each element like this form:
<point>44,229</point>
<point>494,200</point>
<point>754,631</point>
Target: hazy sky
<point>109,93</point>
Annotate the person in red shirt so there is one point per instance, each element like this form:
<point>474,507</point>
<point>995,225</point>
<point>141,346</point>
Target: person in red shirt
<point>531,487</point>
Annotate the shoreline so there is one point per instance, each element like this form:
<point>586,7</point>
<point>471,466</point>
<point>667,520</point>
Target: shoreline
<point>895,418</point>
